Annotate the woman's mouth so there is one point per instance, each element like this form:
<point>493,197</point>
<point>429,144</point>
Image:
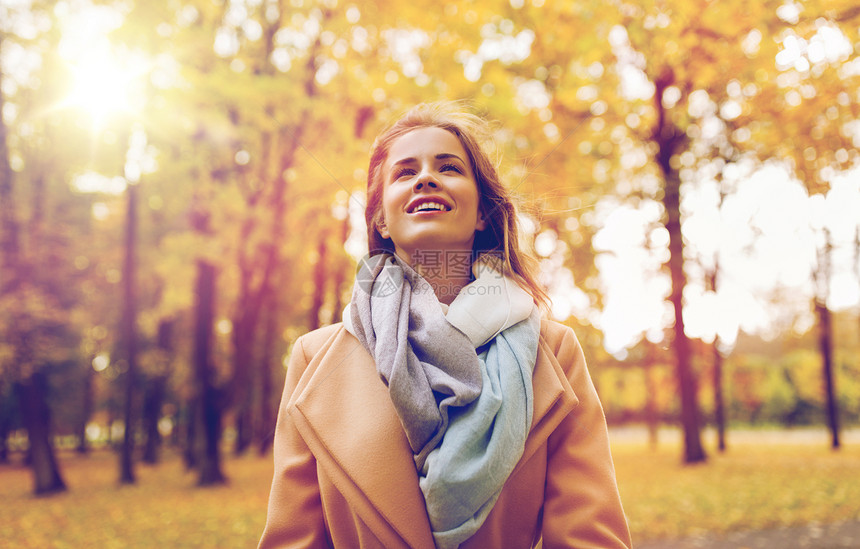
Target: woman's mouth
<point>428,205</point>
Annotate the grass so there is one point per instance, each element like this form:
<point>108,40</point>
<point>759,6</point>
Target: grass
<point>163,509</point>
<point>756,484</point>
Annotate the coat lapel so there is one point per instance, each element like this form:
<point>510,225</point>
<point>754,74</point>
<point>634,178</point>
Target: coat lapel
<point>554,399</point>
<point>353,430</point>
<point>343,411</point>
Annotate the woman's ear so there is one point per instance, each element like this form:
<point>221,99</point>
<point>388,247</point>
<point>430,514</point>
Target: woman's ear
<point>382,228</point>
<point>480,224</point>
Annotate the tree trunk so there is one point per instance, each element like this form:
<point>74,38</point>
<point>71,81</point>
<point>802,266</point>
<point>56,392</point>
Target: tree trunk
<point>154,397</point>
<point>266,416</point>
<point>209,402</point>
<point>340,273</point>
<point>32,397</point>
<point>717,372</point>
<point>111,418</point>
<point>246,318</point>
<point>825,345</point>
<point>244,329</point>
<point>152,401</point>
<point>669,140</point>
<point>693,451</point>
<point>719,401</point>
<point>319,284</point>
<point>857,262</point>
<point>651,413</point>
<point>244,332</point>
<point>4,438</point>
<point>717,380</point>
<point>189,424</point>
<point>208,398</point>
<point>244,427</point>
<point>129,335</point>
<point>825,339</point>
<point>7,404</point>
<point>86,409</point>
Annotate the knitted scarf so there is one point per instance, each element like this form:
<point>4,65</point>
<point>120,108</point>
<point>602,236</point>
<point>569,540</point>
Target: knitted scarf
<point>466,414</point>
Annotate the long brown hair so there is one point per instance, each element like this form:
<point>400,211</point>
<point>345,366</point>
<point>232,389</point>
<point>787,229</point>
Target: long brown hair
<point>500,237</point>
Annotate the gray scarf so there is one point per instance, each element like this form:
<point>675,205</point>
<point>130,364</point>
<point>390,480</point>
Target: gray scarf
<point>428,365</point>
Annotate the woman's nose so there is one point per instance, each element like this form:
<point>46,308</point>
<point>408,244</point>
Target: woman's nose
<point>425,179</point>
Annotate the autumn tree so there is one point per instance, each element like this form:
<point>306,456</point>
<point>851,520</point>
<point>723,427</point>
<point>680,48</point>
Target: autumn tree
<point>32,309</point>
<point>803,116</point>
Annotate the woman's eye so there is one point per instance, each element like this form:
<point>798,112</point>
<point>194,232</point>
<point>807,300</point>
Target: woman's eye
<point>403,173</point>
<point>448,167</point>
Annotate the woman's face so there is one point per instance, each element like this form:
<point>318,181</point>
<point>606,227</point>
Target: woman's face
<point>430,198</point>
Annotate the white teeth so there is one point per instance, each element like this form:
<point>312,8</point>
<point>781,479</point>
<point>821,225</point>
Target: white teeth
<point>429,206</point>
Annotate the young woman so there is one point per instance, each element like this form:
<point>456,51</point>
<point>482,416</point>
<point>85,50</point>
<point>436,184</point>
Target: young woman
<point>444,411</point>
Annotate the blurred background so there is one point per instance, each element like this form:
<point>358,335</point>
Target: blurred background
<point>182,195</point>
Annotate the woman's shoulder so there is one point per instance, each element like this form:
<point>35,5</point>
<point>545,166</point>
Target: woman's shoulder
<point>555,333</point>
<point>311,342</point>
<point>562,343</point>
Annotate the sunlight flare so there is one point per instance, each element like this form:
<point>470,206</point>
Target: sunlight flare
<point>108,83</point>
<point>106,80</point>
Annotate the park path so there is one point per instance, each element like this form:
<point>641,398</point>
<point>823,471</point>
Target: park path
<point>843,535</point>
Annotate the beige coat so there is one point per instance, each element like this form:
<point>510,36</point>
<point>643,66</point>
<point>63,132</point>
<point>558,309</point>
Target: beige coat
<point>345,477</point>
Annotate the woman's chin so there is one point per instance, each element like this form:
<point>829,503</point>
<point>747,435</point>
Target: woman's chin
<point>434,248</point>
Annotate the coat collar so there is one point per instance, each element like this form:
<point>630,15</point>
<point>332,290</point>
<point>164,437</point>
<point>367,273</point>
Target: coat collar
<point>343,411</point>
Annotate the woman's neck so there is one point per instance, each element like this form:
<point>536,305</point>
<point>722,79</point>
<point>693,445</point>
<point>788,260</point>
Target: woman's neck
<point>447,271</point>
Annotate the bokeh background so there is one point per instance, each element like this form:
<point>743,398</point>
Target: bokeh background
<point>182,193</point>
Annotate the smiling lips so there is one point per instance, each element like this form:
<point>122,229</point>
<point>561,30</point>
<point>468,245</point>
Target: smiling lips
<point>428,204</point>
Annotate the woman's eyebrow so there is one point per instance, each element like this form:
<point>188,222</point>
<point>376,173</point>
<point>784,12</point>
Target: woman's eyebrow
<point>409,160</point>
<point>444,156</point>
<point>440,156</point>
